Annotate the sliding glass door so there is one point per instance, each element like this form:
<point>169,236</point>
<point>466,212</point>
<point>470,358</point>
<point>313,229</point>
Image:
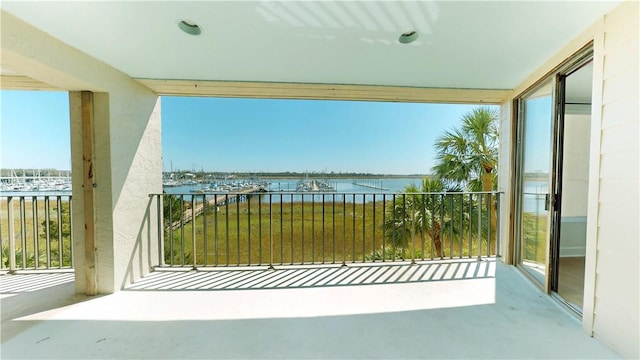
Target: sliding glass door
<point>535,139</point>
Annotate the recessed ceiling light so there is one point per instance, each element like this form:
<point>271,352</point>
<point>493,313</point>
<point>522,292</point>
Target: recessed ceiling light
<point>408,37</point>
<point>189,27</point>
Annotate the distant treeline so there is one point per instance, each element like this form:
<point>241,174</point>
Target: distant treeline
<point>244,175</point>
<point>293,175</point>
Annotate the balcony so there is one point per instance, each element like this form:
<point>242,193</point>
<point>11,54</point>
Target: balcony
<point>414,301</point>
<point>479,310</point>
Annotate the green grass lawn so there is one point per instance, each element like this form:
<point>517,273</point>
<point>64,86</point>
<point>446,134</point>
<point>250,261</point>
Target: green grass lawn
<point>534,237</point>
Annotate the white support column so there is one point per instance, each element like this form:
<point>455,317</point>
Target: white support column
<point>505,178</point>
<point>126,167</point>
<point>126,163</point>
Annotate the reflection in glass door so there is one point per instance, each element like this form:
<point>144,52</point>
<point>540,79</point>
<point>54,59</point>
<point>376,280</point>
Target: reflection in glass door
<point>533,197</point>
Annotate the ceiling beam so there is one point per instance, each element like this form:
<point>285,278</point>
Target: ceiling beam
<point>30,52</point>
<point>19,82</point>
<point>273,90</point>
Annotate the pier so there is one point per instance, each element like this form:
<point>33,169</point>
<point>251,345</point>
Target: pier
<point>372,184</point>
<point>214,200</point>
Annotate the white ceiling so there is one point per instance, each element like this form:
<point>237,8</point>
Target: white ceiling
<point>475,44</point>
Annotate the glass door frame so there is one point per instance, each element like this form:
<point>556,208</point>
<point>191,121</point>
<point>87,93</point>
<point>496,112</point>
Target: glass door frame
<point>559,134</point>
<point>556,77</point>
<point>549,80</point>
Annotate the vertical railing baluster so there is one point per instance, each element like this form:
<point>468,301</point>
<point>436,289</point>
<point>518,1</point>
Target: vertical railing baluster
<point>237,198</point>
<point>442,243</point>
<point>302,216</point>
<point>450,196</point>
<point>160,224</point>
<point>34,229</point>
<point>470,225</point>
<point>226,219</point>
<point>344,230</point>
<point>323,230</point>
<point>364,226</point>
<point>281,230</point>
<point>406,218</point>
<point>205,245</point>
<point>248,229</point>
<point>171,222</point>
<point>71,230</point>
<point>182,218</point>
<point>394,236</point>
<point>313,229</point>
<point>424,224</point>
<point>270,231</point>
<point>353,228</point>
<point>2,242</point>
<point>461,225</point>
<point>215,231</point>
<point>432,215</point>
<point>489,201</point>
<point>498,232</point>
<point>291,226</point>
<point>333,231</point>
<point>384,224</point>
<point>413,229</point>
<point>12,235</point>
<point>60,238</point>
<point>193,231</point>
<point>23,231</point>
<point>260,229</point>
<point>479,227</point>
<point>2,245</point>
<point>373,253</point>
<point>47,229</point>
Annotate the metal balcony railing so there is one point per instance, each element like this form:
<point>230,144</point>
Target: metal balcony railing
<point>35,232</point>
<point>286,228</point>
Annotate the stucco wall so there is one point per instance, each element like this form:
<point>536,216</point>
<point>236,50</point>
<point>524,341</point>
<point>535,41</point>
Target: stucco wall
<point>136,172</point>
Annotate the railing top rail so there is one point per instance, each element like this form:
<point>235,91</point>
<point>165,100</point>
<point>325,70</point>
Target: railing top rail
<point>31,196</point>
<point>335,193</point>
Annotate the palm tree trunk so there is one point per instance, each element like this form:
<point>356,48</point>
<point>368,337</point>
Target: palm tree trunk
<point>435,231</point>
<point>487,185</point>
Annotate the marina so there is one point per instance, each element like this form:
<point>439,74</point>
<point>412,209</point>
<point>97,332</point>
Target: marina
<point>315,186</point>
<point>51,182</point>
<point>36,182</point>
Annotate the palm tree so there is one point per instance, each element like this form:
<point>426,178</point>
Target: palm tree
<point>468,156</point>
<point>426,212</point>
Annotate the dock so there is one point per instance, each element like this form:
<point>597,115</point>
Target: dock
<point>212,200</point>
<point>373,185</point>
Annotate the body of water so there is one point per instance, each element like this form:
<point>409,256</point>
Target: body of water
<point>345,190</point>
<point>340,185</point>
<point>534,196</point>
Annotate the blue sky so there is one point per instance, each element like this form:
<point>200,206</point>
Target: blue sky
<point>247,135</point>
<point>34,130</point>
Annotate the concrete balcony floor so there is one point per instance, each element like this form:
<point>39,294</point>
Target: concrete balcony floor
<point>460,309</point>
